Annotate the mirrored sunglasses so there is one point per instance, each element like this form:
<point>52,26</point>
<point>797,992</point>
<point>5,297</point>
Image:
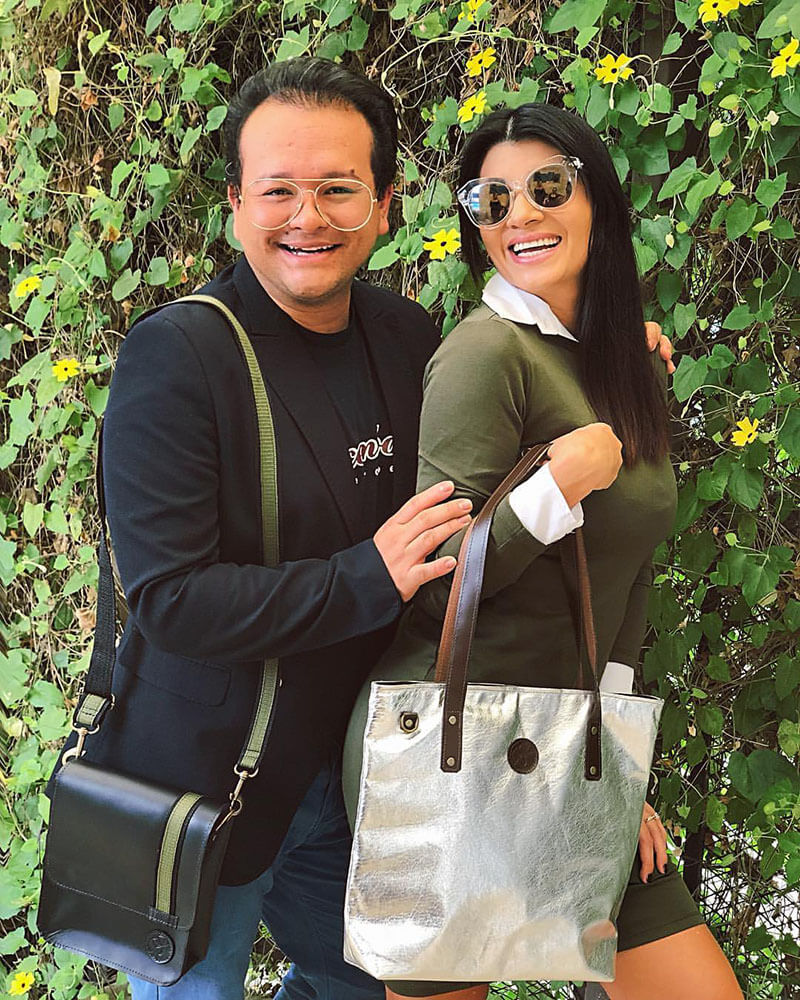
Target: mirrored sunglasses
<point>488,200</point>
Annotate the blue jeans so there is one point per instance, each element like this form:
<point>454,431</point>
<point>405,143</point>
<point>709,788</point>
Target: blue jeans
<point>300,898</point>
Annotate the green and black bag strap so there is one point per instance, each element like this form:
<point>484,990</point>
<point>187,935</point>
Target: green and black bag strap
<point>97,698</point>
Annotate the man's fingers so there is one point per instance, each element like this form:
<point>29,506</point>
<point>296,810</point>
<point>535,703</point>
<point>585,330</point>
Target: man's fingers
<point>422,546</point>
<point>421,501</point>
<point>426,572</point>
<point>432,517</point>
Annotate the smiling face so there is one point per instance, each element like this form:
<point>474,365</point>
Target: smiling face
<point>307,266</point>
<point>542,251</point>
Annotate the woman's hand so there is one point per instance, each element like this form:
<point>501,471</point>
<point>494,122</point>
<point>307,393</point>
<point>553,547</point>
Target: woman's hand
<point>656,339</point>
<point>652,843</point>
<point>584,460</point>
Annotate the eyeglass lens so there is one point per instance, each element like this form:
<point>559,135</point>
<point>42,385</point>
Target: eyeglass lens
<point>489,202</point>
<point>270,203</point>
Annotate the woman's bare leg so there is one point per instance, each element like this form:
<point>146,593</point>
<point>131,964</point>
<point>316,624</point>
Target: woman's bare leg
<point>688,965</point>
<point>473,993</point>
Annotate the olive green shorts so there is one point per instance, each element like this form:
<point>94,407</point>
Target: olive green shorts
<point>650,911</point>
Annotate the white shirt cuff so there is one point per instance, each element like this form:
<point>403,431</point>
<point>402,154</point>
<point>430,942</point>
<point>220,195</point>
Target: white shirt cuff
<point>617,678</point>
<point>541,508</point>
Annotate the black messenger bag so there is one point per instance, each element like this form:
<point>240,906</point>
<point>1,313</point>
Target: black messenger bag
<point>131,867</point>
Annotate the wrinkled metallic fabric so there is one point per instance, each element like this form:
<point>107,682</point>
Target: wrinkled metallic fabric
<point>488,874</point>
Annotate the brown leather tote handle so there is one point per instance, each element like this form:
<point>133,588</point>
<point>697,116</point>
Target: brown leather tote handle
<point>452,661</point>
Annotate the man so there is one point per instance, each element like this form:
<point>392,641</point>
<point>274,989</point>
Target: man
<point>312,152</point>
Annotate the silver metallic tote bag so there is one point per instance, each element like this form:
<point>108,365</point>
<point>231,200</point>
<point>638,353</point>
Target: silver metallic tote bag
<point>496,824</point>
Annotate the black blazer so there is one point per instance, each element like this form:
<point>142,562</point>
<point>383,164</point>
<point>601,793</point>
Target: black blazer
<point>182,486</point>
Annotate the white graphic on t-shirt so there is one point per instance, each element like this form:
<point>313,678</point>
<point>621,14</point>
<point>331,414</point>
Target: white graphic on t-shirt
<point>370,451</point>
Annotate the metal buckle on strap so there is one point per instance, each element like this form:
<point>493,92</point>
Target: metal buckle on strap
<point>236,795</point>
<point>77,750</point>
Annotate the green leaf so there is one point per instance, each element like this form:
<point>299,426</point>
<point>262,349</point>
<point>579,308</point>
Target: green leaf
<point>700,191</point>
<point>689,376</point>
<point>158,271</point>
<point>710,719</point>
<point>97,43</point>
<point>739,318</point>
<point>186,16</point>
<point>784,18</point>
<point>646,257</point>
<point>650,156</point>
<point>753,775</point>
<point>739,218</point>
<point>745,486</point>
<point>383,257</point>
<point>187,144</point>
<point>97,397</point>
<point>157,176</point>
<point>294,43</point>
<point>125,284</point>
<point>598,106</point>
<point>769,192</point>
<point>684,317</point>
<point>678,179</point>
<point>357,35</point>
<point>789,433</point>
<point>671,44</point>
<point>715,813</point>
<point>789,737</point>
<point>215,117</point>
<point>674,722</point>
<point>577,14</point>
<point>787,675</point>
<point>32,515</point>
<point>668,289</point>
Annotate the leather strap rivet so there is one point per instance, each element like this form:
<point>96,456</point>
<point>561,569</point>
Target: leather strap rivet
<point>451,762</point>
<point>452,720</point>
<point>592,769</point>
<point>594,730</point>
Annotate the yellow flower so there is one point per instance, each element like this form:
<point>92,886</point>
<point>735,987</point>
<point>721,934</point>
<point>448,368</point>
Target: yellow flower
<point>746,434</point>
<point>442,243</point>
<point>712,10</point>
<point>481,61</point>
<point>786,59</point>
<point>20,984</point>
<point>66,369</point>
<point>27,285</point>
<point>474,105</point>
<point>469,9</point>
<point>609,69</point>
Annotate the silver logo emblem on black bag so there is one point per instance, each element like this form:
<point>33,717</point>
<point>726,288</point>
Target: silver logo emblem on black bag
<point>160,947</point>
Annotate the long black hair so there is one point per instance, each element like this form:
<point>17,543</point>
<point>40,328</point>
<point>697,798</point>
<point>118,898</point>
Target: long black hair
<point>309,81</point>
<point>616,371</point>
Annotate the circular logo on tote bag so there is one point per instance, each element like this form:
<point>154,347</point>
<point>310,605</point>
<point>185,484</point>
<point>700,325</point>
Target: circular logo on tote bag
<point>160,947</point>
<point>523,756</point>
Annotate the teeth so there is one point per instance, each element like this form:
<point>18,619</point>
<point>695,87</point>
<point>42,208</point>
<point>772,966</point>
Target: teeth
<point>307,249</point>
<point>535,245</point>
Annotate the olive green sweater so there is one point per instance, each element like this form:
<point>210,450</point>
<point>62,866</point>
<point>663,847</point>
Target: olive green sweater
<point>492,389</point>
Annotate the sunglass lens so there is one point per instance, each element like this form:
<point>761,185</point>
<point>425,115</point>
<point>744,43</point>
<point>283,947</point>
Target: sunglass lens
<point>550,186</point>
<point>488,203</point>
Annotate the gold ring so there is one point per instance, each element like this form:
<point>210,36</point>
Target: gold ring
<point>651,818</point>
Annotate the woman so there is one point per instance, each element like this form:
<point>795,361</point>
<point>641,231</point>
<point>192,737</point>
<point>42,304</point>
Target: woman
<point>556,353</point>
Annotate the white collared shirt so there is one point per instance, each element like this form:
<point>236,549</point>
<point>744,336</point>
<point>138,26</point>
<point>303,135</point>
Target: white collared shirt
<point>538,502</point>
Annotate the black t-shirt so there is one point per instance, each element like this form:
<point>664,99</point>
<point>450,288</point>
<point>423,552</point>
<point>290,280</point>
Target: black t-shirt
<point>353,386</point>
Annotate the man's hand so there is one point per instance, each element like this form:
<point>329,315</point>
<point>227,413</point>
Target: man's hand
<point>416,530</point>
<point>655,339</point>
<point>586,459</point>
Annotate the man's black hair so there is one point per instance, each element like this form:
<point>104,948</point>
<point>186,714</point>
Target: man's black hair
<point>308,81</point>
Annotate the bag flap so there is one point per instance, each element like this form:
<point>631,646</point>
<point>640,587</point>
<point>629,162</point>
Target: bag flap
<point>105,839</point>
